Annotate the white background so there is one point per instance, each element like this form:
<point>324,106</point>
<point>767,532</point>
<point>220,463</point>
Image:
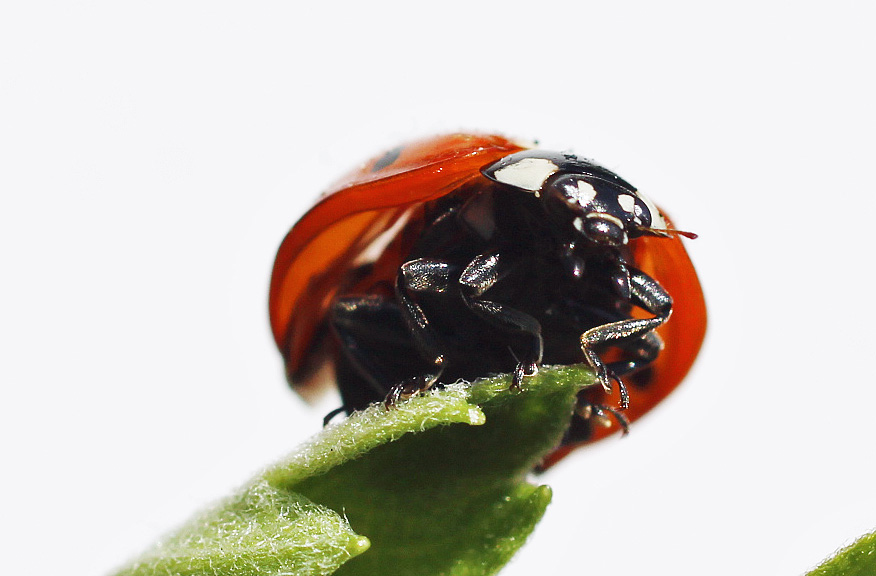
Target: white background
<point>153,155</point>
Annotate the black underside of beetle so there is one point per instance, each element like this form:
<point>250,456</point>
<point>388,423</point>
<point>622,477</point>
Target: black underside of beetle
<point>490,283</point>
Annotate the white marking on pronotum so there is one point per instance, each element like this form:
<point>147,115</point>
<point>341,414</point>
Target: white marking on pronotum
<point>527,173</point>
<point>627,202</point>
<point>586,192</point>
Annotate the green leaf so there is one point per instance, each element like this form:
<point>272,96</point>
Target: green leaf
<point>262,530</point>
<point>435,486</point>
<point>859,559</point>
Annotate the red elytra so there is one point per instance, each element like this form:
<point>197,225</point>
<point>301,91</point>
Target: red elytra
<point>376,214</point>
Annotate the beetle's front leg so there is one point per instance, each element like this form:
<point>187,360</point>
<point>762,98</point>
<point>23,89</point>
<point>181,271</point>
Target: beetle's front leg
<point>480,274</point>
<point>646,293</point>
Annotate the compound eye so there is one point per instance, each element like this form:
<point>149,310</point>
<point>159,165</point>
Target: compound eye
<point>640,212</point>
<point>648,213</point>
<point>634,209</point>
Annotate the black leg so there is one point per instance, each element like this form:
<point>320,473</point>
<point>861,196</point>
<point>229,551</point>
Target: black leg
<point>376,351</point>
<point>639,354</point>
<point>358,322</point>
<point>437,277</point>
<point>430,276</point>
<point>601,415</point>
<point>480,274</point>
<point>330,416</point>
<point>646,293</point>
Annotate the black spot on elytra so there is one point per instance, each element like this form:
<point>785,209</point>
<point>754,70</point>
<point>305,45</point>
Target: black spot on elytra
<point>579,430</point>
<point>387,159</point>
<point>640,379</point>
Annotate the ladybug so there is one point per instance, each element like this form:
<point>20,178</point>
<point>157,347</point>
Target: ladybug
<point>462,255</point>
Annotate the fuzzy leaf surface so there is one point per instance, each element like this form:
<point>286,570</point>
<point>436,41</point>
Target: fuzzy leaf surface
<point>436,486</point>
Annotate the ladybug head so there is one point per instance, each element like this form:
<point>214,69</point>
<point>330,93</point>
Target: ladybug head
<point>597,203</point>
<point>604,212</point>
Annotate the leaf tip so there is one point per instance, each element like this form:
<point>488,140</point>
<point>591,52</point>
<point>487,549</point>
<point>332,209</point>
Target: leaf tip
<point>476,416</point>
<point>358,545</point>
<point>542,495</point>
